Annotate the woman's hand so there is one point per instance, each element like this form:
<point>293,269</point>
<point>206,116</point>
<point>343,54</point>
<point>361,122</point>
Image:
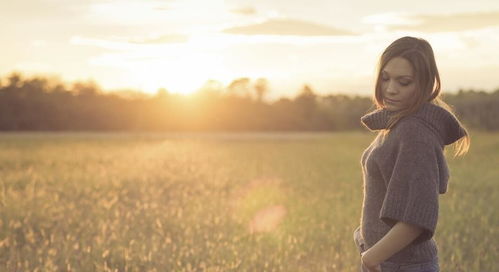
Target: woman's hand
<point>399,236</point>
<point>368,264</point>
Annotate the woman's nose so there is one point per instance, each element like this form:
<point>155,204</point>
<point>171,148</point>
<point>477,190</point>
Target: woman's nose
<point>391,88</point>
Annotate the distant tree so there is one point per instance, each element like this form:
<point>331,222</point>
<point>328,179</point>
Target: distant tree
<point>261,88</point>
<point>130,94</point>
<point>43,103</point>
<point>240,87</point>
<point>284,115</point>
<point>162,93</point>
<point>306,101</point>
<point>88,88</point>
<point>211,88</point>
<point>14,79</point>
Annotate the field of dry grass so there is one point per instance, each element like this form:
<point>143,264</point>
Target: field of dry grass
<point>249,202</point>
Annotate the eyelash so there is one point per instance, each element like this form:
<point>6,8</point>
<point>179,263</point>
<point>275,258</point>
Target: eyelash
<point>403,84</point>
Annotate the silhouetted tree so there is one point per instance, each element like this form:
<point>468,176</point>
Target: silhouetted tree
<point>42,103</point>
<point>240,87</point>
<point>306,105</point>
<point>261,88</point>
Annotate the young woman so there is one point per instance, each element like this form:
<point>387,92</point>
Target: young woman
<point>404,168</point>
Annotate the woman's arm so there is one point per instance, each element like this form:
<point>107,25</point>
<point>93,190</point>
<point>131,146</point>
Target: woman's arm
<point>399,236</point>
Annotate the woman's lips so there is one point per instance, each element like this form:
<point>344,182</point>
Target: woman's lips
<point>391,100</point>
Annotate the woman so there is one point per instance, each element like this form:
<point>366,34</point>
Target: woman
<point>404,168</point>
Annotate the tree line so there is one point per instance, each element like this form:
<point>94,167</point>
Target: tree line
<point>43,104</point>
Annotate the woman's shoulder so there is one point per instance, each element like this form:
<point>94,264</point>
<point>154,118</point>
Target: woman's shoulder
<point>412,129</point>
<point>433,123</point>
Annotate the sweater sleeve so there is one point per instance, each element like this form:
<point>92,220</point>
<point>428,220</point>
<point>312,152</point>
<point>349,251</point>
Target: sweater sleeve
<point>412,190</point>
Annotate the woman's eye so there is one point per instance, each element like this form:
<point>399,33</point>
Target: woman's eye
<point>405,83</point>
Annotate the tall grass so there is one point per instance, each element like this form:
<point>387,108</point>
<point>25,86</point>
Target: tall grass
<point>249,202</point>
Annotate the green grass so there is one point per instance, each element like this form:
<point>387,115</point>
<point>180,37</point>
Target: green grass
<point>154,202</point>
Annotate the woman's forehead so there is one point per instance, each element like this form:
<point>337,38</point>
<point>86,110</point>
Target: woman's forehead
<point>398,67</point>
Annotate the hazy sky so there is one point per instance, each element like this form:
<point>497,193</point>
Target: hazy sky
<point>179,44</point>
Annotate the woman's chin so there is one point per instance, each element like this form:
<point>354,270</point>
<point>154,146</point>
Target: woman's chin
<point>389,107</point>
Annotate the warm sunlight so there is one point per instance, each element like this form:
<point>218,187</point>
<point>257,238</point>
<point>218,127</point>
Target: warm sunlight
<point>238,135</point>
<point>179,68</point>
<point>180,45</point>
<point>183,75</point>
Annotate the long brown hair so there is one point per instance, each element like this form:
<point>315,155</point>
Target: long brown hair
<point>427,79</point>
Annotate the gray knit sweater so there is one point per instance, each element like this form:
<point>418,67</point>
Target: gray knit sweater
<point>403,175</point>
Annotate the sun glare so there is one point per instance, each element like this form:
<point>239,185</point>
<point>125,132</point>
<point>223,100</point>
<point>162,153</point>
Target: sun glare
<point>185,75</point>
<point>181,68</point>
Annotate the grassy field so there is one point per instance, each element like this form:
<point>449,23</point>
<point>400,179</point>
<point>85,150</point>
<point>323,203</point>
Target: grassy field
<point>250,202</point>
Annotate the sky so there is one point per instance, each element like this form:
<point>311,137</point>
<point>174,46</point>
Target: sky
<point>333,46</point>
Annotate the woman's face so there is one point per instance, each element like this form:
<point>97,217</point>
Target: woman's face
<point>397,84</point>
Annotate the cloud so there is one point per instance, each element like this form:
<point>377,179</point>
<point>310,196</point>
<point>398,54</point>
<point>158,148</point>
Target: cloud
<point>390,18</point>
<point>128,12</point>
<point>443,22</point>
<point>171,38</point>
<point>125,43</point>
<point>287,27</point>
<point>40,11</point>
<point>244,11</point>
<point>33,66</point>
<point>163,7</point>
<point>102,43</point>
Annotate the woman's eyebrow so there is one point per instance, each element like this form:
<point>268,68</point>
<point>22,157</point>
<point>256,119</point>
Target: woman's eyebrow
<point>397,76</point>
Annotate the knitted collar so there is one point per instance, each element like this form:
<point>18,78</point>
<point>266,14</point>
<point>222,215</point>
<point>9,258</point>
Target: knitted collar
<point>439,120</point>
